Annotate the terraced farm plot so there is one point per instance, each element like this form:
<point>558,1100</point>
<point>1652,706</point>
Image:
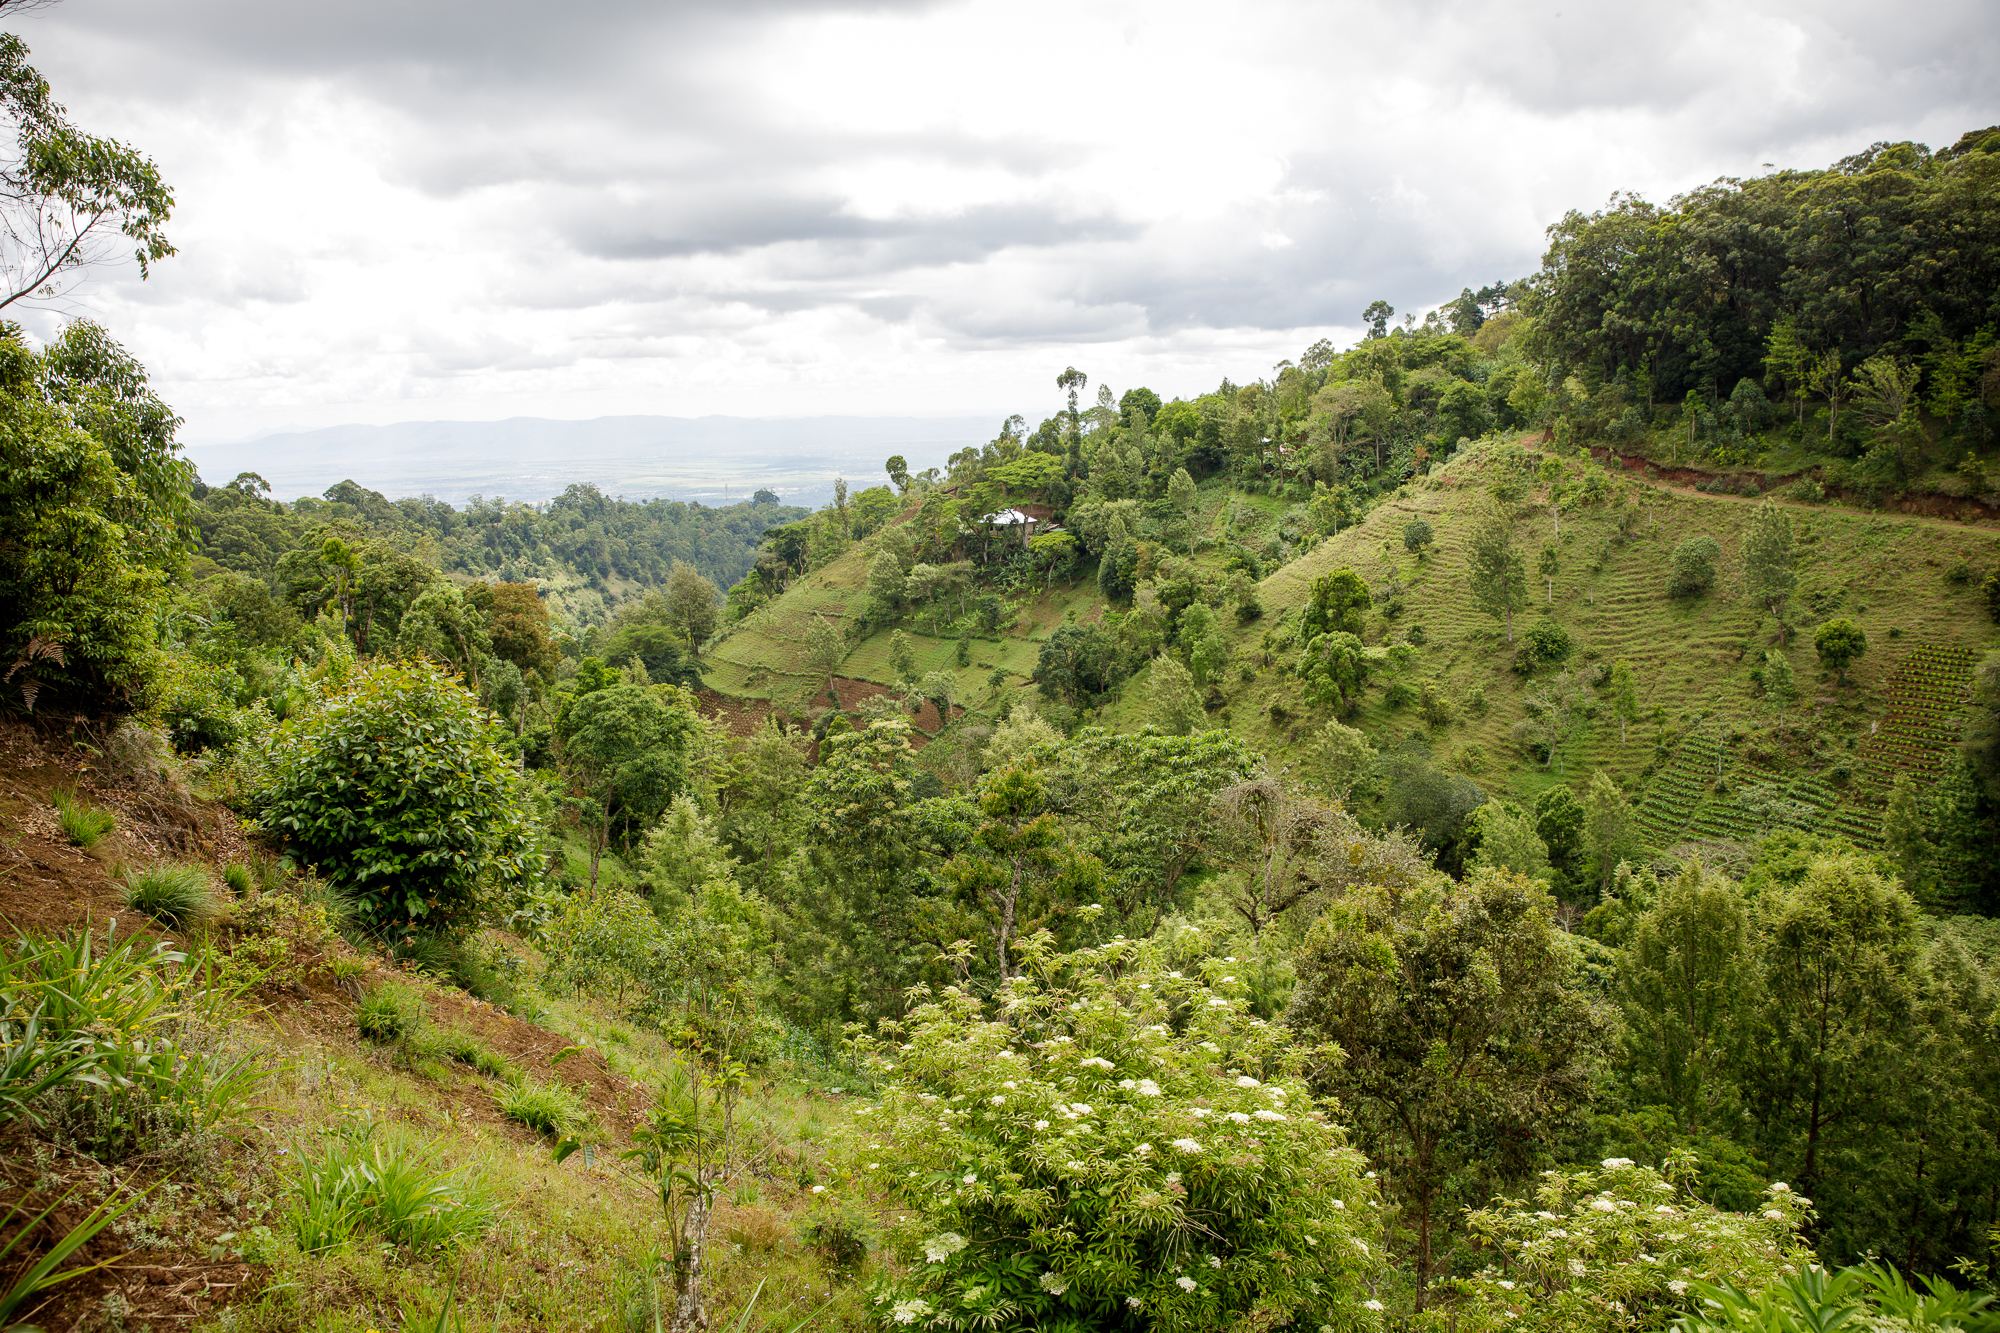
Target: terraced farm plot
<point>1917,736</point>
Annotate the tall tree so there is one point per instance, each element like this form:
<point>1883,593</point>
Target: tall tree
<point>1468,1037</point>
<point>1768,559</point>
<point>1498,575</point>
<point>691,604</point>
<point>68,200</point>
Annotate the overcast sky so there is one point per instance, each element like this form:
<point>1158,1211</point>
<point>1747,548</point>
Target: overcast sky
<point>409,209</point>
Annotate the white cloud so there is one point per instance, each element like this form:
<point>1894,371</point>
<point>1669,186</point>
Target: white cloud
<point>426,209</point>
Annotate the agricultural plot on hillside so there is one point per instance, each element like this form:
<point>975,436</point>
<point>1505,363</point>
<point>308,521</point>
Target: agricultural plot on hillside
<point>1927,699</point>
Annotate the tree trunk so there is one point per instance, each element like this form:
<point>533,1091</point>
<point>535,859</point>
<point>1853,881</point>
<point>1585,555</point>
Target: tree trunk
<point>690,1315</point>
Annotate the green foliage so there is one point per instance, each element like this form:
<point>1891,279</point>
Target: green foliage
<point>1622,1247</point>
<point>546,1108</point>
<point>173,893</point>
<point>1693,567</point>
<point>1173,703</point>
<point>82,823</point>
<point>1505,838</point>
<point>1548,643</point>
<point>93,511</point>
<point>1334,669</point>
<point>389,1012</point>
<point>1497,573</point>
<point>47,1271</point>
<point>358,1183</point>
<point>1455,1006</point>
<point>1077,663</point>
<point>1339,604</point>
<point>1560,822</point>
<point>1868,1296</point>
<point>115,1049</point>
<point>1126,1091</point>
<point>1838,643</point>
<point>397,787</point>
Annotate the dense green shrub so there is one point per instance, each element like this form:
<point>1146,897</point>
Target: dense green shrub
<point>1694,567</point>
<point>1117,1143</point>
<point>1622,1246</point>
<point>398,789</point>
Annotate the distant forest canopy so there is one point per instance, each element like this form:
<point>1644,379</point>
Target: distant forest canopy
<point>583,535</point>
<point>1894,250</point>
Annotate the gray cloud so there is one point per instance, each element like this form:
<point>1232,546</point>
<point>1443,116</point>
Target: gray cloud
<point>514,196</point>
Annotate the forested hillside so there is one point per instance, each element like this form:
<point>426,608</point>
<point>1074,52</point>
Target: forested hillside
<point>1486,827</point>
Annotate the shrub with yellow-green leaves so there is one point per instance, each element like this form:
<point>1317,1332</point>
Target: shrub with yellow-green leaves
<point>1622,1247</point>
<point>1113,1141</point>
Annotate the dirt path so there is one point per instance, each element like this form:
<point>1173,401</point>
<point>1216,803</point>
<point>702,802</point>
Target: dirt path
<point>1921,520</point>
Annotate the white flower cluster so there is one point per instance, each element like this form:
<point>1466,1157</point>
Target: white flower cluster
<point>1186,1145</point>
<point>1054,1283</point>
<point>1097,1062</point>
<point>1185,1283</point>
<point>941,1247</point>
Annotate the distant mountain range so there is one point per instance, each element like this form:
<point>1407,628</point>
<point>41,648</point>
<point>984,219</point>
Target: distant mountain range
<point>712,459</point>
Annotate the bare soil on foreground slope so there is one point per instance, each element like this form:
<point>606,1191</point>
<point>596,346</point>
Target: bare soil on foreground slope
<point>208,1244</point>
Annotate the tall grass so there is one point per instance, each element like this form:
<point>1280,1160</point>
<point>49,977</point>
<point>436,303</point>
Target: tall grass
<point>549,1108</point>
<point>360,1183</point>
<point>115,1047</point>
<point>173,893</point>
<point>82,823</point>
<point>48,1271</point>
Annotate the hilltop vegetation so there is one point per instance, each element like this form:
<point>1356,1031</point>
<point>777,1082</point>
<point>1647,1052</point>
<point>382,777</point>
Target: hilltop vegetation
<point>1374,847</point>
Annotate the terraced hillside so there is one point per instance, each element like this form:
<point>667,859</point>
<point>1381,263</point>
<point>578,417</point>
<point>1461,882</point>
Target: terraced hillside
<point>1808,763</point>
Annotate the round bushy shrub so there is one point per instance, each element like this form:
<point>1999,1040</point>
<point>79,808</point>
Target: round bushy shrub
<point>1114,1141</point>
<point>398,790</point>
<point>1694,567</point>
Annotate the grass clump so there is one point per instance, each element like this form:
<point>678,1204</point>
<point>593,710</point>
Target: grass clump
<point>388,1013</point>
<point>358,1183</point>
<point>173,893</point>
<point>238,877</point>
<point>82,823</point>
<point>469,1050</point>
<point>548,1108</point>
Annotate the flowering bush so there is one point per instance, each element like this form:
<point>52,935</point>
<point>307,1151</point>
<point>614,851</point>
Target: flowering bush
<point>1113,1142</point>
<point>1623,1247</point>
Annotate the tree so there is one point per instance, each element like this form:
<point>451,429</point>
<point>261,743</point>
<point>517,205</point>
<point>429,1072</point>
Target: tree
<point>899,472</point>
<point>1181,499</point>
<point>1020,867</point>
<point>1506,840</point>
<point>1376,317</point>
<point>902,656</point>
<point>1417,537</point>
<point>1560,820</point>
<point>1339,759</point>
<point>1339,604</point>
<point>1768,559</point>
<point>886,584</point>
<point>518,627</point>
<point>68,199</point>
<point>1780,686</point>
<point>1694,567</point>
<point>1285,847</point>
<point>1687,981</point>
<point>398,789</point>
<point>94,512</point>
<point>1548,643</point>
<point>824,648</point>
<point>1468,1037</point>
<point>691,605</point>
<point>1463,413</point>
<point>1624,696</point>
<point>1073,381</point>
<point>1611,828</point>
<point>1497,573</point>
<point>1557,710</point>
<point>1838,642</point>
<point>1334,668</point>
<point>1838,973</point>
<point>1903,829</point>
<point>1173,703</point>
<point>623,749</point>
<point>1548,566</point>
